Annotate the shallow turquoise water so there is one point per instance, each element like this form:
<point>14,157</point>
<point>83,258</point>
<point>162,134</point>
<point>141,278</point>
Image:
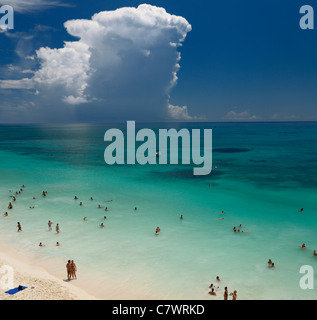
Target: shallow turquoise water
<point>265,173</point>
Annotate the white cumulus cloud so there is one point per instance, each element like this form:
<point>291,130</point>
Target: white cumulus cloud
<point>240,116</point>
<point>122,62</point>
<point>181,113</point>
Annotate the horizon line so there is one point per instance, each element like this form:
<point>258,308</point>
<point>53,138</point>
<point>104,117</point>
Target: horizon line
<point>124,121</point>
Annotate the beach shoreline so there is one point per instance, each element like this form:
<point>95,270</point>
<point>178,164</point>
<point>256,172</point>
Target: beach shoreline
<point>41,285</point>
<point>45,278</point>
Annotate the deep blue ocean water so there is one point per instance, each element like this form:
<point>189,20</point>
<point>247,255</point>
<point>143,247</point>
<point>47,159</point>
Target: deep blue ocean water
<point>263,173</point>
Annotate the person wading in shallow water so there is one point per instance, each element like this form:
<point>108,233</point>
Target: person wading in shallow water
<point>225,295</point>
<point>234,295</point>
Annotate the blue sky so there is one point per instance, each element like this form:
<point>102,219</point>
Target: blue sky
<point>239,61</point>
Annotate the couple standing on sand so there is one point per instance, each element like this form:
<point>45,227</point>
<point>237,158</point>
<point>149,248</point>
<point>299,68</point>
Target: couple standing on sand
<point>71,270</point>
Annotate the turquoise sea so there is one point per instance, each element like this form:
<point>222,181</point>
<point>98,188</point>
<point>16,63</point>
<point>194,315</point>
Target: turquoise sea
<point>265,173</point>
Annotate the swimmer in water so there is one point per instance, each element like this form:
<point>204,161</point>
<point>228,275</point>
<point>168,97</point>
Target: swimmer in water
<point>91,198</point>
<point>80,203</point>
<point>212,292</point>
<point>85,218</point>
<point>101,225</point>
<point>10,206</point>
<point>315,253</point>
<point>57,244</point>
<point>303,246</point>
<point>19,227</point>
<point>220,219</point>
<point>106,209</point>
<point>181,217</point>
<point>5,214</point>
<point>41,245</point>
<point>269,262</point>
<point>301,210</point>
<point>75,198</point>
<point>218,279</point>
<point>158,230</point>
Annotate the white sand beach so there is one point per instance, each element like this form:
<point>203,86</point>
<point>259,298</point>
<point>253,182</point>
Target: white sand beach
<point>40,284</point>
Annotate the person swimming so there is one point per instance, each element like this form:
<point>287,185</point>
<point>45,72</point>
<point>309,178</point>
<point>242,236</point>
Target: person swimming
<point>10,206</point>
<point>212,292</point>
<point>303,246</point>
<point>158,230</point>
<point>101,225</point>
